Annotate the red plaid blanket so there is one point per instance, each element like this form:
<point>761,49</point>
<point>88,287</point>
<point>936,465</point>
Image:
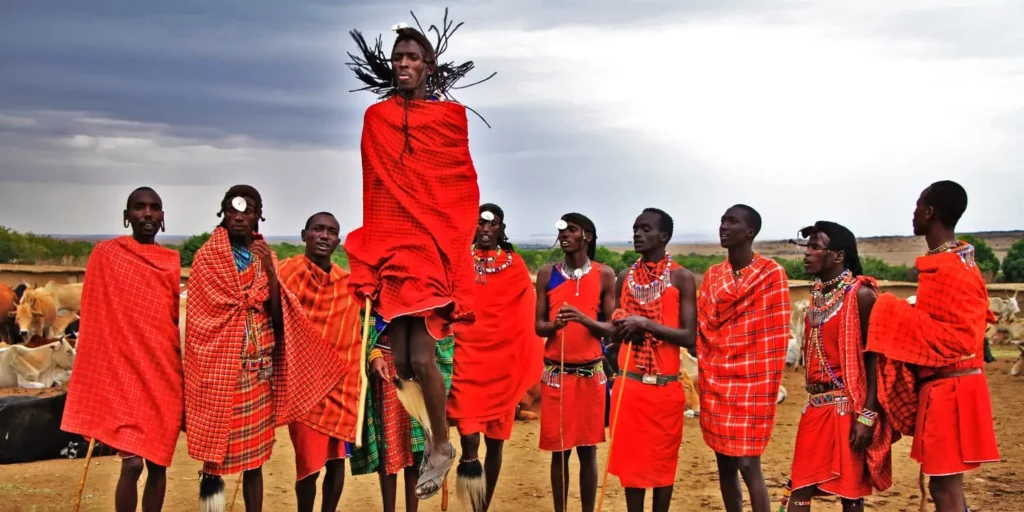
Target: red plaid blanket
<point>304,368</point>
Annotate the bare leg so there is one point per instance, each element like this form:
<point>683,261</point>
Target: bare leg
<point>588,476</point>
<point>492,466</point>
<point>398,338</point>
<point>252,490</point>
<point>334,482</point>
<point>388,488</point>
<point>471,446</point>
<point>750,469</point>
<point>156,487</point>
<point>305,492</point>
<point>422,352</point>
<point>559,474</point>
<point>947,491</point>
<point>412,501</point>
<point>126,497</point>
<point>729,482</point>
<point>803,495</point>
<point>662,498</point>
<point>635,499</point>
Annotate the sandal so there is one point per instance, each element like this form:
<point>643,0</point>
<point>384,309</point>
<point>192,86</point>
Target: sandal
<point>435,474</point>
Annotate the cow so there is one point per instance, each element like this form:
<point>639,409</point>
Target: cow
<point>1005,310</point>
<point>68,296</point>
<point>71,331</point>
<point>797,322</point>
<point>20,290</point>
<point>61,324</point>
<point>30,431</point>
<point>1018,367</point>
<point>36,313</point>
<point>36,368</point>
<point>8,305</point>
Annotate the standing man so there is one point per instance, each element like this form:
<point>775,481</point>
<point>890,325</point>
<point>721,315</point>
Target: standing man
<point>743,313</point>
<point>946,406</point>
<point>253,361</point>
<point>131,403</point>
<point>497,358</point>
<point>575,302</point>
<point>843,444</point>
<point>321,436</point>
<point>420,200</point>
<point>656,315</point>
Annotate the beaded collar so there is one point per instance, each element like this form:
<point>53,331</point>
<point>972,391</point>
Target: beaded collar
<point>574,274</point>
<point>486,265</point>
<point>652,291</point>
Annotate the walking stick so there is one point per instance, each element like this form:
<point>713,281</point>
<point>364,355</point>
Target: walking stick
<point>238,485</point>
<point>444,495</point>
<point>615,421</point>
<point>562,468</point>
<point>85,471</point>
<point>363,379</point>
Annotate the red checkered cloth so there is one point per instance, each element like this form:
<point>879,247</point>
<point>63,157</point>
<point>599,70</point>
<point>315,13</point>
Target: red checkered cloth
<point>420,209</point>
<point>330,307</point>
<point>395,422</point>
<point>944,331</point>
<point>126,390</point>
<point>304,369</point>
<point>743,334</point>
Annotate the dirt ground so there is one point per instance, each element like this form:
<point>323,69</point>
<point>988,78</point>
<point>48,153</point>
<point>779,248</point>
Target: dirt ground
<point>51,485</point>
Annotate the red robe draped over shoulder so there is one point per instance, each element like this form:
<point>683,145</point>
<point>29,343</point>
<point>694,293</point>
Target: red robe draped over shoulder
<point>499,356</point>
<point>127,386</point>
<point>420,209</point>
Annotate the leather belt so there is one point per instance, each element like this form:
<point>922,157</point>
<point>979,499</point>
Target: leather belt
<point>575,366</point>
<point>817,389</point>
<point>254,365</point>
<point>958,373</point>
<point>655,380</point>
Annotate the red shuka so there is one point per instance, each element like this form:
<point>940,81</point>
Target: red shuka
<point>304,369</point>
<point>126,390</point>
<point>823,455</point>
<point>580,419</point>
<point>742,337</point>
<point>649,427</point>
<point>943,333</point>
<point>420,208</point>
<point>498,357</point>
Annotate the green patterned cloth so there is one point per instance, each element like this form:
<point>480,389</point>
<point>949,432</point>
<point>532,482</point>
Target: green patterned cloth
<point>366,460</point>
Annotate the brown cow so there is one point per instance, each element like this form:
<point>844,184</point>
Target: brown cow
<point>8,304</point>
<point>1018,367</point>
<point>36,313</point>
<point>68,296</point>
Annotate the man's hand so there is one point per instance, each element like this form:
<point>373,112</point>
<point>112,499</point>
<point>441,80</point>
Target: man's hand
<point>568,314</point>
<point>261,249</point>
<point>379,369</point>
<point>861,436</point>
<point>631,328</point>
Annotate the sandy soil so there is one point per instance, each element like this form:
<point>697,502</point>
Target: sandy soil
<point>51,485</point>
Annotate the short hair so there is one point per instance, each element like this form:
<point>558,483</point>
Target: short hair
<point>949,200</point>
<point>665,222</point>
<point>311,217</point>
<point>840,238</point>
<point>500,214</point>
<point>753,218</point>
<point>128,203</point>
<point>588,227</point>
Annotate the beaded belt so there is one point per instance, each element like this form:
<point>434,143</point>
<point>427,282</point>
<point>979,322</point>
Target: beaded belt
<point>255,365</point>
<point>654,380</point>
<point>552,371</point>
<point>828,398</point>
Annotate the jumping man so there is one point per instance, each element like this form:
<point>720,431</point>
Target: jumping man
<point>743,312</point>
<point>656,315</point>
<point>131,403</point>
<point>575,301</point>
<point>943,335</point>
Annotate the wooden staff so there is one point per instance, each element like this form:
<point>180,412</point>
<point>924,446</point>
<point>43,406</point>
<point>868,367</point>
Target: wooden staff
<point>238,485</point>
<point>363,378</point>
<point>561,430</point>
<point>615,421</point>
<point>444,494</point>
<point>85,471</point>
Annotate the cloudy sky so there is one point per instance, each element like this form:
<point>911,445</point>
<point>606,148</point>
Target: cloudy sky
<point>842,110</point>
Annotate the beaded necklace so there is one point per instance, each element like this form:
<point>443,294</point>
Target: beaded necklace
<point>650,292</point>
<point>826,300</point>
<point>576,273</point>
<point>942,248</point>
<point>485,265</point>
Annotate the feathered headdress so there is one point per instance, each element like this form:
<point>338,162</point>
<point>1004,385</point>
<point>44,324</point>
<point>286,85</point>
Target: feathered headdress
<point>373,67</point>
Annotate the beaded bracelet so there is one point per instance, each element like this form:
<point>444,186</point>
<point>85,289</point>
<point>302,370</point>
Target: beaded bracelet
<point>375,354</point>
<point>867,417</point>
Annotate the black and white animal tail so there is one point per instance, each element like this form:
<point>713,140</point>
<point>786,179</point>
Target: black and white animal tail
<point>470,485</point>
<point>211,494</point>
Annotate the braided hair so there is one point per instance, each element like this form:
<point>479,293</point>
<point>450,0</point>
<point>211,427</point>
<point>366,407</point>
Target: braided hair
<point>499,215</point>
<point>840,238</point>
<point>588,227</point>
<point>246,191</point>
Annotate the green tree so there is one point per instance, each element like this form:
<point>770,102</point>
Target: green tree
<point>988,263</point>
<point>1013,263</point>
<point>190,246</point>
